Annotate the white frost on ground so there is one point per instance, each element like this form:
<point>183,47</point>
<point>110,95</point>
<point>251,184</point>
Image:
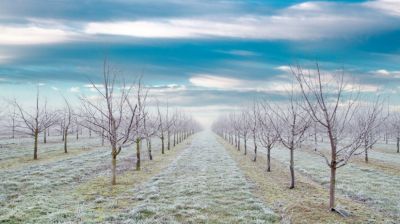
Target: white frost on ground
<point>203,185</point>
<point>383,152</point>
<point>379,189</point>
<point>23,146</point>
<point>42,192</point>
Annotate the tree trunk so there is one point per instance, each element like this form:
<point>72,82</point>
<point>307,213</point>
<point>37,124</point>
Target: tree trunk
<point>35,144</point>
<point>13,129</point>
<point>137,154</point>
<point>268,159</point>
<point>149,149</point>
<point>255,145</point>
<point>238,143</point>
<point>255,154</point>
<point>65,141</point>
<point>102,137</point>
<point>332,188</point>
<point>291,169</point>
<point>315,141</point>
<point>162,144</point>
<point>398,144</point>
<point>114,166</point>
<point>366,150</point>
<point>174,139</point>
<point>245,146</point>
<point>44,137</point>
<point>169,141</point>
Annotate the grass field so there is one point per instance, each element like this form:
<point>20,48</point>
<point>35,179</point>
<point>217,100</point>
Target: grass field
<point>368,191</point>
<point>202,180</point>
<point>61,187</point>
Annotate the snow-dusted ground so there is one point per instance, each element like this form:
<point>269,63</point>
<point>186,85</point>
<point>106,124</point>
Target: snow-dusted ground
<point>40,191</point>
<point>204,185</point>
<point>383,152</point>
<point>23,146</point>
<point>379,189</point>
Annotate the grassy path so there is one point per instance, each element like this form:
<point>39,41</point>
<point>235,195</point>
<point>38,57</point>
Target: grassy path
<point>203,185</point>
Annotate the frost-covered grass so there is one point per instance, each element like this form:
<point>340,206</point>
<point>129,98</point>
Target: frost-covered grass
<point>21,148</point>
<point>384,157</point>
<point>378,189</point>
<point>307,202</point>
<point>98,200</point>
<point>377,183</point>
<point>43,191</point>
<point>204,185</point>
<point>389,147</point>
<point>382,152</point>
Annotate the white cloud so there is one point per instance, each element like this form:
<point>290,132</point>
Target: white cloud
<point>391,7</point>
<point>331,77</point>
<point>5,59</point>
<point>363,88</point>
<point>32,34</point>
<point>303,21</point>
<point>234,84</point>
<point>213,81</point>
<point>92,87</point>
<point>74,89</point>
<point>386,74</point>
<point>54,88</point>
<point>242,53</point>
<point>169,88</point>
<point>284,68</point>
<point>307,6</point>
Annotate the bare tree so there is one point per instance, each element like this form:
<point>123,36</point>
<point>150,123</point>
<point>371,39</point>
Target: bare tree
<point>111,112</point>
<point>67,123</point>
<point>150,127</point>
<point>395,125</point>
<point>77,125</point>
<point>139,132</point>
<point>290,123</point>
<point>235,122</point>
<point>46,115</point>
<point>245,123</point>
<point>12,119</point>
<point>268,135</point>
<point>333,104</point>
<point>161,128</point>
<point>254,122</point>
<point>35,122</point>
<point>169,122</point>
<point>372,118</point>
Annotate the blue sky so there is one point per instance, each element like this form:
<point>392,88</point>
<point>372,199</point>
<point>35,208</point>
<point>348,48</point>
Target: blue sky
<point>205,55</point>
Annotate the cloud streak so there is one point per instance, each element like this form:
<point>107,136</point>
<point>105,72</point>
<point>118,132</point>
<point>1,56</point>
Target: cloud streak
<point>30,35</point>
<point>305,21</point>
<point>300,22</point>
